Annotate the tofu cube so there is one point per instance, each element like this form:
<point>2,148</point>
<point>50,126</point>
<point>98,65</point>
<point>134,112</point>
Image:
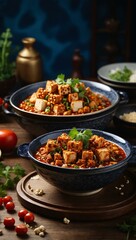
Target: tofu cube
<point>80,85</point>
<point>57,156</point>
<point>102,154</point>
<point>51,145</point>
<point>41,93</point>
<point>59,109</point>
<point>40,104</point>
<point>64,89</point>
<point>88,91</point>
<point>51,86</point>
<point>69,156</point>
<point>75,105</point>
<point>72,97</point>
<point>91,163</point>
<point>87,154</point>
<point>96,141</point>
<point>93,105</point>
<point>55,98</point>
<point>75,146</point>
<point>33,98</point>
<point>63,139</point>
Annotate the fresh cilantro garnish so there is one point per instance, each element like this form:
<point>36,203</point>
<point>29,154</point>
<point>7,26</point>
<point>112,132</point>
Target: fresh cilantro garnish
<point>56,150</point>
<point>46,97</point>
<point>60,79</point>
<point>66,103</point>
<point>75,86</point>
<point>82,94</point>
<point>47,109</point>
<point>73,133</point>
<point>121,75</point>
<point>73,82</point>
<point>9,176</point>
<point>76,166</point>
<point>83,136</point>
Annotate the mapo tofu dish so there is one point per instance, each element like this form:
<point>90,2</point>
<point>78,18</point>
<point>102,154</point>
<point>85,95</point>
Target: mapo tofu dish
<point>64,97</point>
<point>80,150</point>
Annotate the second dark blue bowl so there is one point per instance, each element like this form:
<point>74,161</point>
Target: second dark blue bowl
<point>80,181</point>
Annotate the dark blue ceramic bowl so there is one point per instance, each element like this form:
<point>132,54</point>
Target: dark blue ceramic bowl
<point>80,181</point>
<point>38,124</point>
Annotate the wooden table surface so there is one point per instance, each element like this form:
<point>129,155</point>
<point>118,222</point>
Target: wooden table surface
<point>56,229</point>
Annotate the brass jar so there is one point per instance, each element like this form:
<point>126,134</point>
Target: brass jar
<point>29,63</point>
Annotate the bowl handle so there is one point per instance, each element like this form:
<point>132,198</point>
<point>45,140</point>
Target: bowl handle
<point>132,160</point>
<point>22,150</point>
<point>123,97</point>
<point>8,109</point>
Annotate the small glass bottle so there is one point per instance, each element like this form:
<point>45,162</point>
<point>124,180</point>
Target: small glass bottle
<point>29,63</point>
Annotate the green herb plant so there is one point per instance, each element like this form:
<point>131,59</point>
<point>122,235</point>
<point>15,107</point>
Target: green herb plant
<point>7,67</point>
<point>129,227</point>
<point>9,176</point>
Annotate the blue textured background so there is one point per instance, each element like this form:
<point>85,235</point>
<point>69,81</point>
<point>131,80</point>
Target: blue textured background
<point>59,26</point>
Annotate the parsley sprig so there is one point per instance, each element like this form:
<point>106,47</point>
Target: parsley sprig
<point>83,135</point>
<point>9,176</point>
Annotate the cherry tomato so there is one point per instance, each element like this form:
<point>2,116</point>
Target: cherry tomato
<point>9,222</point>
<point>6,105</point>
<point>22,213</point>
<point>1,101</point>
<point>29,217</point>
<point>1,201</point>
<point>7,199</point>
<point>10,206</point>
<point>8,140</point>
<point>21,229</point>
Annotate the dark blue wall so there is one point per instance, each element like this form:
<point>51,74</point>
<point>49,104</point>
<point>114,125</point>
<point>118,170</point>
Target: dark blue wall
<point>59,26</point>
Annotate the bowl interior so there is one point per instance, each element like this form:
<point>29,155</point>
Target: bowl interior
<point>122,125</point>
<point>127,108</point>
<point>41,140</point>
<point>24,92</point>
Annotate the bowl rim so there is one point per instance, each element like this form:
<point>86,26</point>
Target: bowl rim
<point>117,85</point>
<point>78,170</point>
<point>97,113</point>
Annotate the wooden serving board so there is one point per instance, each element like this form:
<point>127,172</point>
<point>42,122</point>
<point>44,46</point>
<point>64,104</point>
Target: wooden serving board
<point>112,201</point>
